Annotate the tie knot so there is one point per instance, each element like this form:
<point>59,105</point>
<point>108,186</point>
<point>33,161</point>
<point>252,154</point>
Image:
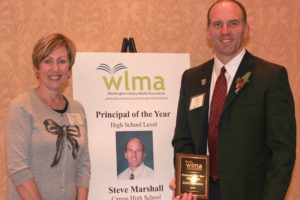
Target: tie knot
<point>223,70</point>
<point>131,176</point>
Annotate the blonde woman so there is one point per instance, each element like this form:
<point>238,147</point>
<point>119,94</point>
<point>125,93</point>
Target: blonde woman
<point>46,133</point>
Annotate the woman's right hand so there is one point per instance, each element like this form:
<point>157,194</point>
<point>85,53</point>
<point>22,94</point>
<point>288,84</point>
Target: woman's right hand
<point>29,190</point>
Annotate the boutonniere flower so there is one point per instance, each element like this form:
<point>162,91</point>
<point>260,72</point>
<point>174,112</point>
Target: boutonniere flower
<point>241,81</point>
<point>203,82</point>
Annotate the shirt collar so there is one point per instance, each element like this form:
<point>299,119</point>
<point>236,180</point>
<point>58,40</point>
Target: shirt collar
<point>231,67</point>
<point>138,170</point>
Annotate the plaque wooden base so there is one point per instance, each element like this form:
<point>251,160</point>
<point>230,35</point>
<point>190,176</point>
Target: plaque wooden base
<point>192,175</point>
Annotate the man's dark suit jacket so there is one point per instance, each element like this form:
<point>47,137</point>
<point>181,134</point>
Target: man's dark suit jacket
<point>257,131</point>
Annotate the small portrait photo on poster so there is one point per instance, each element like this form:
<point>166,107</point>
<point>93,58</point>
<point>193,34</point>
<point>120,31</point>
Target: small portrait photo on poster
<point>134,155</point>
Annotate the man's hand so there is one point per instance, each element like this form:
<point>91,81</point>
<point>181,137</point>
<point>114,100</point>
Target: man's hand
<point>185,196</point>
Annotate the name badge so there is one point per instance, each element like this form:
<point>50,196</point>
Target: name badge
<point>75,118</point>
<point>197,101</point>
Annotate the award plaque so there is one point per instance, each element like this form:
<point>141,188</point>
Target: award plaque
<point>192,174</point>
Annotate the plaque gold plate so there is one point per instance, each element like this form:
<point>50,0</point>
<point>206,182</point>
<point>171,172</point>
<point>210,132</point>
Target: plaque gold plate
<point>192,174</point>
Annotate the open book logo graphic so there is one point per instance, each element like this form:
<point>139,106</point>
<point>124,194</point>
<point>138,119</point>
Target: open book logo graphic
<point>110,70</point>
<point>127,82</point>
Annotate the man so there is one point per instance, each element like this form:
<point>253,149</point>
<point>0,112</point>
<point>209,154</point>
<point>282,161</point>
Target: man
<point>135,154</point>
<point>252,153</point>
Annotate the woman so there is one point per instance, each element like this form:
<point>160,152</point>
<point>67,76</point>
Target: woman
<point>47,143</point>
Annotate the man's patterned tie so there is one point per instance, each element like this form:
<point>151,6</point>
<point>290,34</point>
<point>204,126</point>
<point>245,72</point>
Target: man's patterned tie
<point>131,176</point>
<point>216,108</point>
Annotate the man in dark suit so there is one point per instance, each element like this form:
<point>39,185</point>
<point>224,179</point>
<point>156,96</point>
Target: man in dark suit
<point>256,129</point>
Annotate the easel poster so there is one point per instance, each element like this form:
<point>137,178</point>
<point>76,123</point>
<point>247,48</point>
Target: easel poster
<point>130,97</point>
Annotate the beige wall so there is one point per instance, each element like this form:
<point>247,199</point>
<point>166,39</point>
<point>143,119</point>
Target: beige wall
<point>156,25</point>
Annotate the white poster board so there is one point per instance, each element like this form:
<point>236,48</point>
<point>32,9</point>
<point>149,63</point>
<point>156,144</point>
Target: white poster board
<point>129,95</point>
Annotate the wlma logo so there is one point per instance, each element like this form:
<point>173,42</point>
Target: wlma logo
<point>125,81</point>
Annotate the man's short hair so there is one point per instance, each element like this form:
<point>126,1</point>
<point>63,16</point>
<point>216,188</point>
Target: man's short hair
<point>243,9</point>
<point>135,138</point>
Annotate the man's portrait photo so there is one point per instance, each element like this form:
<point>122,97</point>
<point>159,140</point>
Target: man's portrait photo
<point>134,155</point>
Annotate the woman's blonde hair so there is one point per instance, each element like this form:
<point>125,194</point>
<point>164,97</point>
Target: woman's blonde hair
<point>46,44</point>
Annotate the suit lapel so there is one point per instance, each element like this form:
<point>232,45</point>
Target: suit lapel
<point>202,83</point>
<point>199,116</point>
<point>207,74</point>
<point>245,67</point>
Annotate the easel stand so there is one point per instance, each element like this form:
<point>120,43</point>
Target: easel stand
<point>128,45</point>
